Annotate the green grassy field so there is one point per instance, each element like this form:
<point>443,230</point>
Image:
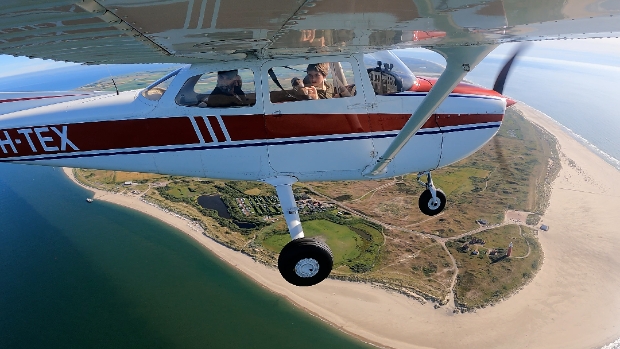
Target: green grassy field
<point>461,180</point>
<point>252,188</point>
<point>348,247</point>
<point>114,180</point>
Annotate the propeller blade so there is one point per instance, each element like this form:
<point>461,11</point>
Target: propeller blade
<point>503,74</point>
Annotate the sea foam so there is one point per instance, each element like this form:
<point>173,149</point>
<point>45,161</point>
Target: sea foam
<point>614,345</point>
<point>603,155</point>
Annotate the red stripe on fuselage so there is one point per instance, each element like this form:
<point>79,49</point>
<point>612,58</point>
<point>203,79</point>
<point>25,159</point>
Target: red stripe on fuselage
<point>159,132</point>
<point>320,124</point>
<point>202,126</point>
<point>103,135</point>
<point>245,127</point>
<point>445,120</point>
<point>133,133</point>
<point>255,127</point>
<point>217,129</point>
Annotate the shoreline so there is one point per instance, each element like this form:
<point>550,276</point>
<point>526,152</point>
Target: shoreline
<point>224,253</point>
<point>572,302</point>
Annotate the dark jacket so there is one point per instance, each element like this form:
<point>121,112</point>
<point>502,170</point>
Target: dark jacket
<point>222,99</point>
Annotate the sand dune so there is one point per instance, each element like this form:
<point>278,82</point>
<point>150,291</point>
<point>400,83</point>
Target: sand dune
<point>573,302</point>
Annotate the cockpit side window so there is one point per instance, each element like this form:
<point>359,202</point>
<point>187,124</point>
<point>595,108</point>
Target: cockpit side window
<point>219,89</point>
<point>323,80</point>
<point>156,90</point>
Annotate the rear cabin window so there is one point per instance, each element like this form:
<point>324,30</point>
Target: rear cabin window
<point>219,89</point>
<point>311,82</point>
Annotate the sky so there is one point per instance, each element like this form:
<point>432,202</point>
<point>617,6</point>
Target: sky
<point>604,51</point>
<point>21,65</point>
<point>575,82</point>
<point>577,52</point>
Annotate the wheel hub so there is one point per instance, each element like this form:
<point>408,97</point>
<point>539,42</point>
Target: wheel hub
<point>434,204</point>
<point>307,267</point>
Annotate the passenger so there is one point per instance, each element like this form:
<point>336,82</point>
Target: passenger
<point>227,92</point>
<point>316,76</point>
<point>297,83</point>
<point>324,90</point>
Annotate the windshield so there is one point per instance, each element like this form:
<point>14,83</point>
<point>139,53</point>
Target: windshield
<point>125,78</point>
<point>157,89</point>
<point>388,73</point>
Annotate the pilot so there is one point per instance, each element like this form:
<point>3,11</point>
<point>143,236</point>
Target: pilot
<point>227,92</point>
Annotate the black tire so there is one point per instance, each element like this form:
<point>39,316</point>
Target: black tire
<point>426,204</point>
<point>305,262</point>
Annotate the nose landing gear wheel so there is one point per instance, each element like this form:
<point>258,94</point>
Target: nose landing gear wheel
<point>431,207</point>
<point>305,262</point>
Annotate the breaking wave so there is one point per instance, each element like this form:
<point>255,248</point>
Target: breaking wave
<point>596,150</point>
<point>614,345</point>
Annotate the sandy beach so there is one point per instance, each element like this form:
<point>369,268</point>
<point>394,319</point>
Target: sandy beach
<point>573,302</point>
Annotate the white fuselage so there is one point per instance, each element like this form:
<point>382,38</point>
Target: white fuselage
<point>334,139</point>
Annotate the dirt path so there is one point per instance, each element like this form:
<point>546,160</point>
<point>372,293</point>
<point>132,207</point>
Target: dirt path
<point>373,191</point>
<point>510,217</point>
<point>529,248</point>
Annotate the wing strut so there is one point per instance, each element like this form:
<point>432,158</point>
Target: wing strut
<point>459,61</point>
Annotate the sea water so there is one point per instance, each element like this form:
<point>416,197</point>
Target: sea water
<point>96,275</point>
<point>80,275</point>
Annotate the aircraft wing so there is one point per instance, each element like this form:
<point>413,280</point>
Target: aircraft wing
<point>159,31</point>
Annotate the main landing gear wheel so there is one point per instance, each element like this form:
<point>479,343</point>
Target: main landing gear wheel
<point>305,262</point>
<point>433,200</point>
<point>431,207</point>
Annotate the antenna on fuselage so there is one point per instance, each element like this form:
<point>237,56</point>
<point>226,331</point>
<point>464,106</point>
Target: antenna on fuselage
<point>116,88</point>
<point>114,82</point>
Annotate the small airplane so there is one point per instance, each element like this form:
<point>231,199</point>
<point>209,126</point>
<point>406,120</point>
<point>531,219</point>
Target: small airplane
<point>277,93</point>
